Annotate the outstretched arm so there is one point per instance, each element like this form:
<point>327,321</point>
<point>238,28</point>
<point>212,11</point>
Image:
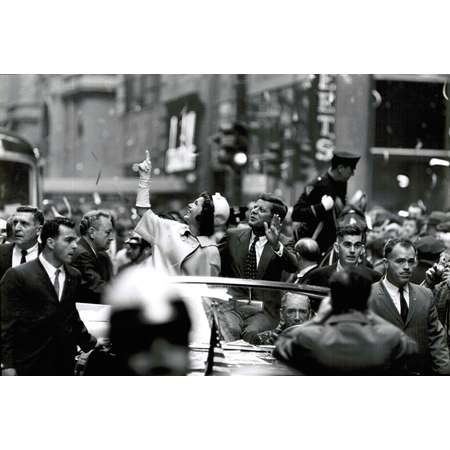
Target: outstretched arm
<point>143,192</point>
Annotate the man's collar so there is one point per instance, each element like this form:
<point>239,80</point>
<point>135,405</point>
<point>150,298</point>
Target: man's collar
<point>32,249</point>
<point>393,287</point>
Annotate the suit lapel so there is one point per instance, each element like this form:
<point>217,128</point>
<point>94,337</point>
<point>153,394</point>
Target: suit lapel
<point>242,250</point>
<point>387,304</point>
<point>412,304</point>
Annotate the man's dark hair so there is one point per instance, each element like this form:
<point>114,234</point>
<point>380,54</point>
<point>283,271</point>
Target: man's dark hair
<point>350,289</point>
<point>308,249</point>
<point>206,217</point>
<point>91,218</point>
<point>278,206</point>
<point>38,215</point>
<point>51,228</point>
<point>391,243</point>
<point>350,230</point>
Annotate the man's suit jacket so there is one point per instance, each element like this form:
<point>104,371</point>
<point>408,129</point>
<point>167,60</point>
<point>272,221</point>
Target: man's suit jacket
<point>96,271</point>
<point>39,332</point>
<point>233,254</point>
<point>322,275</point>
<point>422,325</point>
<point>353,343</point>
<point>6,251</point>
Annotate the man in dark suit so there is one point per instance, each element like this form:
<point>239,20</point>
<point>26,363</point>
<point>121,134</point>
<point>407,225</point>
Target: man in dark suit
<point>347,338</point>
<point>27,223</point>
<point>411,308</point>
<point>323,200</point>
<point>258,252</point>
<point>91,259</point>
<point>40,324</point>
<point>349,247</point>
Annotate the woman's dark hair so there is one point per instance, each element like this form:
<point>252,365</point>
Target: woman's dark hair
<point>206,217</point>
<point>51,228</point>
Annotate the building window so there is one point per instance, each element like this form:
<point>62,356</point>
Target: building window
<point>410,115</point>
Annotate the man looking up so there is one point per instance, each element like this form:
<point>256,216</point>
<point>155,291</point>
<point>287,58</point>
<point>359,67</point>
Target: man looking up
<point>259,252</point>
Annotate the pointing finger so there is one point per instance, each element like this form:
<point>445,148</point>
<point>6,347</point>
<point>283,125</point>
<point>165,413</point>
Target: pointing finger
<point>147,155</point>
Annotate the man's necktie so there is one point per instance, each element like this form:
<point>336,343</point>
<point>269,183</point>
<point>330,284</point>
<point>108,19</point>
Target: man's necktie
<point>250,262</point>
<point>23,259</point>
<point>403,305</point>
<point>56,283</point>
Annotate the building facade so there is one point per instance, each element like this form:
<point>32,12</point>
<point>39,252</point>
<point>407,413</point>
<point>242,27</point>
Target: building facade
<point>90,129</point>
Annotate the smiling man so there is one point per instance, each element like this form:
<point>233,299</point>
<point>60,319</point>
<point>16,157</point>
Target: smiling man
<point>40,324</point>
<point>411,308</point>
<point>27,223</point>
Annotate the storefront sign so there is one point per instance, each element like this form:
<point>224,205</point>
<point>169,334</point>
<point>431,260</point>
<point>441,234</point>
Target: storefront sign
<point>326,110</point>
<point>183,122</point>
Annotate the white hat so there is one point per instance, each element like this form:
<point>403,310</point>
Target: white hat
<point>221,209</point>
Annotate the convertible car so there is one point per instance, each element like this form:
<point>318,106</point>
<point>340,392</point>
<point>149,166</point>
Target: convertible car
<point>206,298</point>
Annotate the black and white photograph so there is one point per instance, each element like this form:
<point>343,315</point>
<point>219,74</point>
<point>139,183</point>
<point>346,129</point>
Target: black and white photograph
<point>224,225</point>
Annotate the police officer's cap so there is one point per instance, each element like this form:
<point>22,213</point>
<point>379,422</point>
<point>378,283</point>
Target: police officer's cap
<point>346,158</point>
<point>429,247</point>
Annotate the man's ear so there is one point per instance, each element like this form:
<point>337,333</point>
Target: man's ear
<point>90,231</point>
<point>336,247</point>
<point>50,243</point>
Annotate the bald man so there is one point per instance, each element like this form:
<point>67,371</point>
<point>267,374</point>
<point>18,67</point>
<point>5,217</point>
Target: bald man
<point>295,309</point>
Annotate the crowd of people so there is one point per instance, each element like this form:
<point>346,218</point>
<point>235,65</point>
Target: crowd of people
<point>388,276</point>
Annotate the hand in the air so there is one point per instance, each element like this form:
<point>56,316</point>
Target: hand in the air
<point>273,232</point>
<point>145,167</point>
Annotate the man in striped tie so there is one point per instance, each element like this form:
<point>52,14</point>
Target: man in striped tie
<point>259,252</point>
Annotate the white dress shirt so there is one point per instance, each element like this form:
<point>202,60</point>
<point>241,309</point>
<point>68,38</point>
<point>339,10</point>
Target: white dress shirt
<point>259,247</point>
<point>32,253</point>
<point>51,270</point>
<point>395,293</point>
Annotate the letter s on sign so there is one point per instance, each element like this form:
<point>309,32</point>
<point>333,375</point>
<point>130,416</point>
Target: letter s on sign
<point>325,149</point>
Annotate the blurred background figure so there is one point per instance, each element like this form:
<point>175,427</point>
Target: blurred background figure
<point>137,251</point>
<point>348,339</point>
<point>295,310</point>
<point>3,225</point>
<point>429,250</point>
<point>149,326</point>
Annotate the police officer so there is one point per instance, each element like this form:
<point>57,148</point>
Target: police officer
<point>323,199</point>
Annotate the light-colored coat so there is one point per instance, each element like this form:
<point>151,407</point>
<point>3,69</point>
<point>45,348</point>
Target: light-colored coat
<point>175,250</point>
